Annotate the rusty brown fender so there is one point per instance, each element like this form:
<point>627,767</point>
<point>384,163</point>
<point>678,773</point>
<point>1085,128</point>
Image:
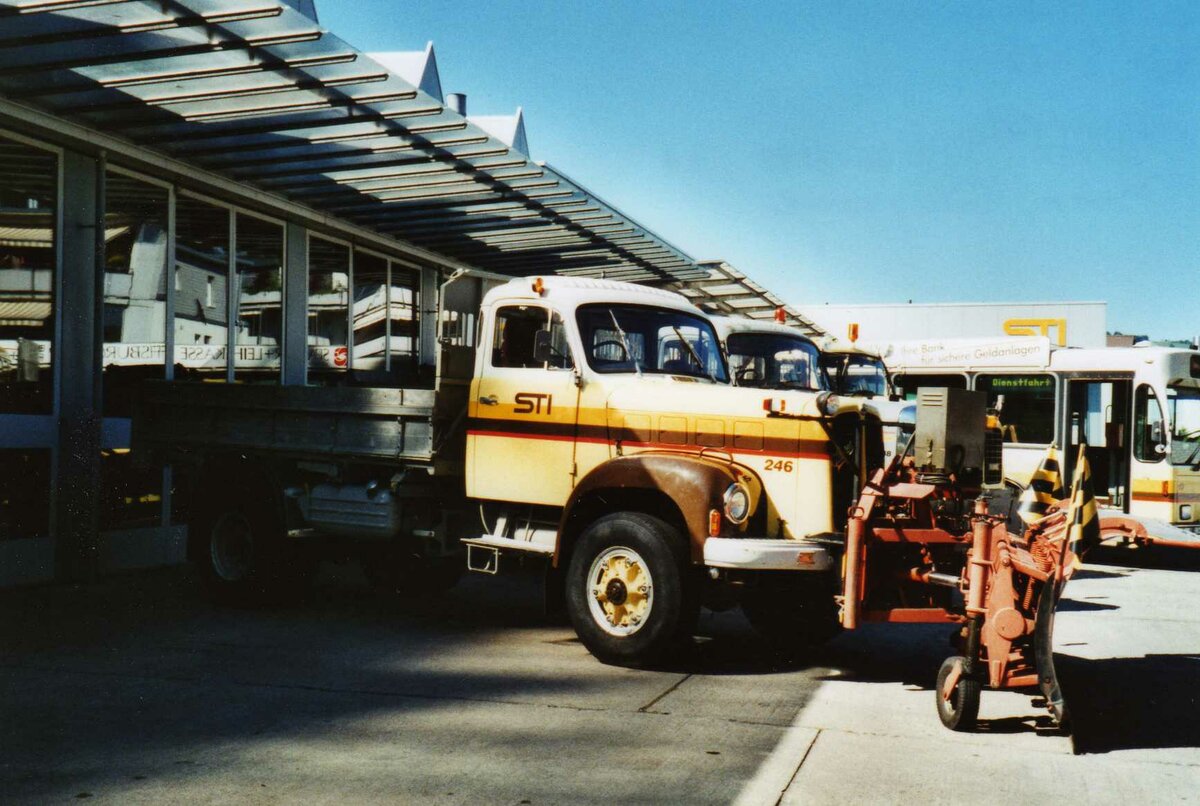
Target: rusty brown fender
<point>696,484</point>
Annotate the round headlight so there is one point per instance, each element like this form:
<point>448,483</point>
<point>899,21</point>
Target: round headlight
<point>737,504</point>
<point>1185,512</point>
<point>828,402</point>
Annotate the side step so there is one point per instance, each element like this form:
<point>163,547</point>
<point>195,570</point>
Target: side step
<point>483,553</point>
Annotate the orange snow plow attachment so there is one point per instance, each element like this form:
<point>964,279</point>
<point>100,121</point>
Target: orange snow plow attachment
<point>911,557</point>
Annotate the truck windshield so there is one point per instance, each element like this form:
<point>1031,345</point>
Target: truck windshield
<point>775,361</point>
<point>656,338</point>
<point>1183,409</point>
<point>853,374</point>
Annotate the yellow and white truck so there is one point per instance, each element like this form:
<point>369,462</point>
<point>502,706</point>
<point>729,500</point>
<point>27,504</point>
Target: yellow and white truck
<point>588,423</point>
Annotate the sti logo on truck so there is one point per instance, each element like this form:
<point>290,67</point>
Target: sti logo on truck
<point>531,402</point>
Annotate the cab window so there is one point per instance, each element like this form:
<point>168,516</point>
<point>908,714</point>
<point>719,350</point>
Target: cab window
<point>515,336</point>
<point>1025,404</point>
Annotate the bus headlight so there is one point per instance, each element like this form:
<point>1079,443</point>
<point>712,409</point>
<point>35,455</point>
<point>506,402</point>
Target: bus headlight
<point>737,504</point>
<point>1185,512</point>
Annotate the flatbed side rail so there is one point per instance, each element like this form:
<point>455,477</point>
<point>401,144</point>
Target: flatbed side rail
<point>327,423</point>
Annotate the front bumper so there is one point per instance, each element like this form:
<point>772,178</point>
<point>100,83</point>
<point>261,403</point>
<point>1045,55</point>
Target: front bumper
<point>762,554</point>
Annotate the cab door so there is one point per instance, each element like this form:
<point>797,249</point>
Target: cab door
<point>1099,412</point>
<point>524,410</point>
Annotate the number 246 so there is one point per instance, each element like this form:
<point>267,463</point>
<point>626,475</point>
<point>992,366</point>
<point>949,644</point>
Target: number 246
<point>782,465</point>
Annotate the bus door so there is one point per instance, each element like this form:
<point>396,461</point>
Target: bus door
<point>1100,412</point>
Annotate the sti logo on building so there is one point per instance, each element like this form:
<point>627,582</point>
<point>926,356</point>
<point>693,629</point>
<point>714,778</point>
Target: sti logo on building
<point>1037,327</point>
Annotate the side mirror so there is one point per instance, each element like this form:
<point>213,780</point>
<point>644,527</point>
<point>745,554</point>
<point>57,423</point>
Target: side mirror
<point>1156,433</point>
<point>543,352</point>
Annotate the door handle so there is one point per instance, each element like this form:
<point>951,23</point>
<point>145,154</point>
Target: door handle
<point>490,400</point>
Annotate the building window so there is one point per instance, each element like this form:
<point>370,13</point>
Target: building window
<point>24,493</point>
<point>403,336</point>
<point>1025,404</point>
<point>28,257</point>
<point>135,291</point>
<point>369,316</point>
<point>130,495</point>
<point>202,262</point>
<point>258,300</point>
<point>328,311</point>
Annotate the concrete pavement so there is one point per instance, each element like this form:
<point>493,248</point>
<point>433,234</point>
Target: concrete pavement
<point>135,690</point>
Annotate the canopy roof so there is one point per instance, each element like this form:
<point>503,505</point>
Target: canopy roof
<point>256,91</point>
<point>724,289</point>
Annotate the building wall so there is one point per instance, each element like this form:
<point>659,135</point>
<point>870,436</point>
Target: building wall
<point>1066,324</point>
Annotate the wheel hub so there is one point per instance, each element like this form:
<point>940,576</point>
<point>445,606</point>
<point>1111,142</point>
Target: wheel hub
<point>621,591</point>
<point>616,592</point>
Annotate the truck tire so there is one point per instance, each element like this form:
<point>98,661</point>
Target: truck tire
<point>237,546</point>
<point>629,589</point>
<point>791,610</point>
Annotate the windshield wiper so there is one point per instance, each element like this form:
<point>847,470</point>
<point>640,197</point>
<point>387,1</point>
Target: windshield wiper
<point>692,352</point>
<point>625,343</point>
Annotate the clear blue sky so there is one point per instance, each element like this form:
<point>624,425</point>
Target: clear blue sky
<point>861,152</point>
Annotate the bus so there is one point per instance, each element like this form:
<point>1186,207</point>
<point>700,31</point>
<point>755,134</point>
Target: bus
<point>1137,410</point>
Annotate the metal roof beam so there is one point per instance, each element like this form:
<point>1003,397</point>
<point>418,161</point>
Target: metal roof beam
<point>334,152</point>
<point>182,131</point>
<point>184,40</point>
<point>317,170</point>
<point>448,204</point>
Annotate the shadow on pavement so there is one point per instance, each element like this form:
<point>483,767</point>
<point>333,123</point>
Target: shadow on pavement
<point>1092,573</point>
<point>136,682</point>
<point>1167,558</point>
<point>1129,703</point>
<point>1066,605</point>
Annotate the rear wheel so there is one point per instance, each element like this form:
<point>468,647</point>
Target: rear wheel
<point>957,703</point>
<point>237,545</point>
<point>792,610</point>
<point>629,590</point>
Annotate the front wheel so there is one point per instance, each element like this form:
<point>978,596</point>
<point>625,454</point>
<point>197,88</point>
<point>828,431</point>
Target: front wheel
<point>628,589</point>
<point>958,698</point>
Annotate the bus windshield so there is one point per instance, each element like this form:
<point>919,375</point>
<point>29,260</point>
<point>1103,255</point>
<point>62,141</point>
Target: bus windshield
<point>854,374</point>
<point>1183,407</point>
<point>641,339</point>
<point>775,361</point>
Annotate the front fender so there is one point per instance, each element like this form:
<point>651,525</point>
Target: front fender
<point>695,484</point>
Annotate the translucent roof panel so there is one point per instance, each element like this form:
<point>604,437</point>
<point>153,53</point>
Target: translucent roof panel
<point>256,91</point>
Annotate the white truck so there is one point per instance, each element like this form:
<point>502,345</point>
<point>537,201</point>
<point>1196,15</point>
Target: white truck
<point>589,424</point>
